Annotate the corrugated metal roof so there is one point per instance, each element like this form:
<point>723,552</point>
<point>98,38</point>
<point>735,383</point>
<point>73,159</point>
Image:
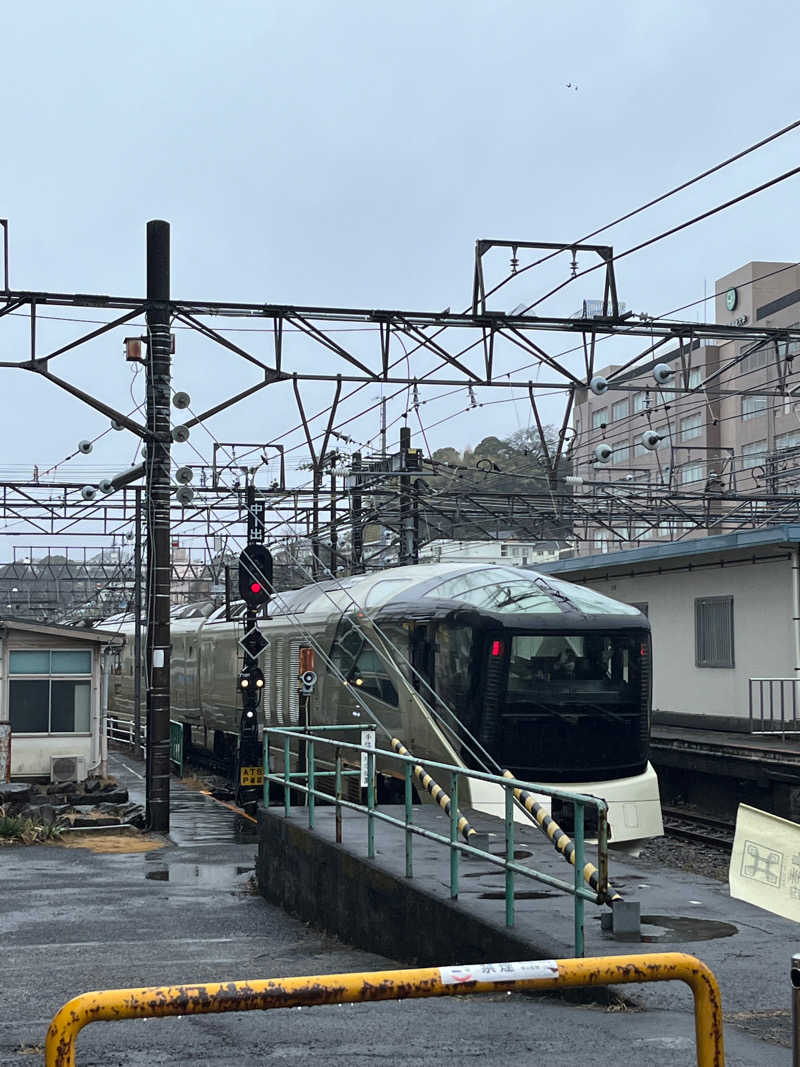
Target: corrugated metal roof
<point>787,534</point>
<point>105,637</point>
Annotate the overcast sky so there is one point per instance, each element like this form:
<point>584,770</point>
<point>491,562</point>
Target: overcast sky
<point>351,154</point>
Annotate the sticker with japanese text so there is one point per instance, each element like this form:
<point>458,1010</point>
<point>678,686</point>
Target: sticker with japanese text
<point>499,972</point>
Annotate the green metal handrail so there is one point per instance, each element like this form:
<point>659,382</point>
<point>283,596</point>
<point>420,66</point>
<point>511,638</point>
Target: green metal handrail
<point>305,783</point>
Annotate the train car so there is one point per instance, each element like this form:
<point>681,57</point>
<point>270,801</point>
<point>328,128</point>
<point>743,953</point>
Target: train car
<point>551,679</point>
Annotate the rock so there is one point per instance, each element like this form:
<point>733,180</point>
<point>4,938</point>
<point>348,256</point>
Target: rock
<point>81,800</point>
<point>95,818</point>
<point>136,816</point>
<point>15,792</point>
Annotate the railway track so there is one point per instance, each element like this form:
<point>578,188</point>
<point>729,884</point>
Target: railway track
<point>699,829</point>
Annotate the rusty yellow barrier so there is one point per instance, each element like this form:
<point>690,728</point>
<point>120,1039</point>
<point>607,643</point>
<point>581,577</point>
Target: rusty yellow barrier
<point>115,1004</point>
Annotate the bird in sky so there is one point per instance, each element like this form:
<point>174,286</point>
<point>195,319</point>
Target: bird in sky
<point>571,86</point>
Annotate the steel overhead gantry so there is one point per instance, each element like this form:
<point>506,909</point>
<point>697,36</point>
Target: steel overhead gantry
<point>486,338</point>
<point>379,499</point>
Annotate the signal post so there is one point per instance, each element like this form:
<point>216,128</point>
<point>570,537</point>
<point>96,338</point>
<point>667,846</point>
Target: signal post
<point>255,586</point>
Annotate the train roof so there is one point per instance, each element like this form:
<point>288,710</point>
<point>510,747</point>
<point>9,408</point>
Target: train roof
<point>488,587</point>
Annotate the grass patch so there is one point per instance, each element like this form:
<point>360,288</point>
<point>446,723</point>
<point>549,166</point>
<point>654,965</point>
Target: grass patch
<point>19,830</point>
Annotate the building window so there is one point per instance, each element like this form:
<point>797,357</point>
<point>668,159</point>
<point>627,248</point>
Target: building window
<point>787,440</point>
<point>713,631</point>
<point>754,361</point>
<point>753,454</point>
<point>691,427</point>
<point>753,407</point>
<point>640,402</point>
<point>46,692</point>
<point>599,418</point>
<point>695,377</point>
<point>621,454</point>
<point>692,473</point>
<point>619,410</point>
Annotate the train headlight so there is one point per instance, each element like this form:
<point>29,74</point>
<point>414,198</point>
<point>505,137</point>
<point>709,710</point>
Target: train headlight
<point>259,683</point>
<point>359,681</point>
<point>244,682</point>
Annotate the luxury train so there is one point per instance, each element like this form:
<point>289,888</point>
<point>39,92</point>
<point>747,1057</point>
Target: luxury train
<point>551,679</point>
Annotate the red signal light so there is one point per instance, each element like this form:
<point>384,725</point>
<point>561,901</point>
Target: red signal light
<point>255,587</point>
<point>497,648</point>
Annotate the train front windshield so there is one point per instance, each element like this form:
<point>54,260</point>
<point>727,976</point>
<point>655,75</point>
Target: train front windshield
<point>578,702</point>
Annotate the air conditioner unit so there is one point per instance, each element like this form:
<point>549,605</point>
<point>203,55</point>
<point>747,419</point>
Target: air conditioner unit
<point>67,768</point>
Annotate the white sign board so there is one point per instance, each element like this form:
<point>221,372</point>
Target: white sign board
<point>765,862</point>
<point>499,972</point>
<point>368,741</point>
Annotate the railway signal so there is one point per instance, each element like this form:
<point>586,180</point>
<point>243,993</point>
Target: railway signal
<point>251,684</point>
<point>255,575</point>
<point>254,643</point>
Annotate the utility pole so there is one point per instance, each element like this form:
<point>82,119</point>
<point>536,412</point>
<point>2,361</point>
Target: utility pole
<point>334,537</point>
<point>137,622</point>
<point>356,527</point>
<point>408,461</point>
<point>157,472</point>
<point>317,485</point>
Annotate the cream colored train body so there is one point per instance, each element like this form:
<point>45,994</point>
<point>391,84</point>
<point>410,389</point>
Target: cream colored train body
<point>552,679</point>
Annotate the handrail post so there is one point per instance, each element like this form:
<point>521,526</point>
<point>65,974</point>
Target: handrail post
<point>454,852</point>
<point>266,767</point>
<point>602,849</point>
<point>409,813</point>
<point>509,797</point>
<point>311,784</point>
<point>371,805</point>
<point>794,975</point>
<point>287,801</point>
<point>338,795</point>
<point>577,807</point>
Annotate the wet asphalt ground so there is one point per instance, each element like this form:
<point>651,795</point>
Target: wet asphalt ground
<point>73,920</point>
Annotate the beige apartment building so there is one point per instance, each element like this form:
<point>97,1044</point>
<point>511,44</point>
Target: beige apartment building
<point>709,440</point>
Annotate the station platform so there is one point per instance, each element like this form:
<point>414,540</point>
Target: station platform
<point>371,902</point>
<point>183,908</point>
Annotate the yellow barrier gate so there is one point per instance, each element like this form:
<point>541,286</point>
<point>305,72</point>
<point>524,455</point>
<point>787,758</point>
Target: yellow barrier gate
<point>115,1004</point>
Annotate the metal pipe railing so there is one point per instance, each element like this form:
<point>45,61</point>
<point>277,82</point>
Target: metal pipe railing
<point>263,994</point>
<point>300,782</point>
<point>787,694</point>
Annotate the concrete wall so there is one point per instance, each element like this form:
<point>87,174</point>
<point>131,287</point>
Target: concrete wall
<point>323,883</point>
<point>763,631</point>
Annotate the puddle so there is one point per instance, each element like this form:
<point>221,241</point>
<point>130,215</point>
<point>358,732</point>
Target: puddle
<point>657,929</point>
<point>197,819</point>
<point>208,874</point>
<point>519,853</point>
<point>524,894</point>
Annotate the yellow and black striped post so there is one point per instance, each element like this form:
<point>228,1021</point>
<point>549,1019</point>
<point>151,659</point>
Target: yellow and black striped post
<point>435,790</point>
<point>561,841</point>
